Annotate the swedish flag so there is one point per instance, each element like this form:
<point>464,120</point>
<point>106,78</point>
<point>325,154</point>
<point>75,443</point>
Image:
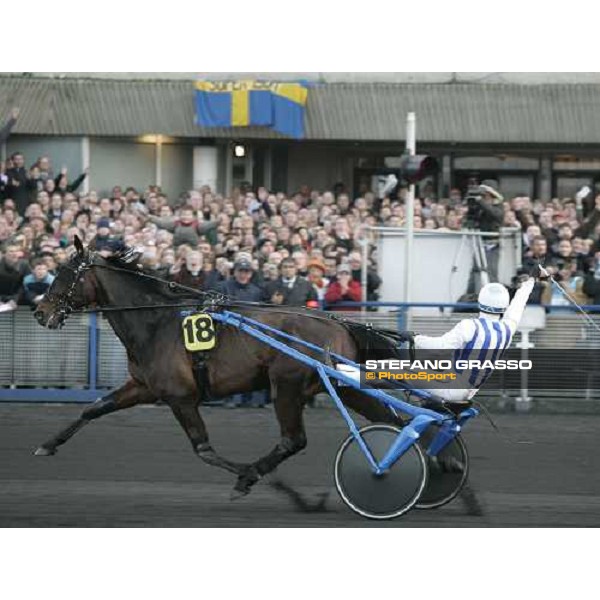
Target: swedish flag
<point>243,103</point>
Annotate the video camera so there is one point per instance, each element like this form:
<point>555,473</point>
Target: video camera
<point>473,199</point>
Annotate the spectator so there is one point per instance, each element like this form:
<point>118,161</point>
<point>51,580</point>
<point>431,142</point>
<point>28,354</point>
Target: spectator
<point>591,223</point>
<point>36,284</point>
<point>222,269</point>
<point>47,256</point>
<point>62,183</point>
<point>189,271</point>
<point>104,242</point>
<point>186,228</point>
<point>151,262</point>
<point>373,280</point>
<point>19,186</point>
<point>301,259</point>
<point>6,231</point>
<point>44,170</point>
<point>269,272</point>
<point>539,256</point>
<point>342,235</point>
<point>240,286</point>
<point>12,272</point>
<point>591,283</point>
<point>486,212</point>
<point>316,275</point>
<point>343,289</point>
<point>290,289</point>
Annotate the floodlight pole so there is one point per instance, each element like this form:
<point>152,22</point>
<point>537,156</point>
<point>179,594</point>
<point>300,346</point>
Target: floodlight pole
<point>411,149</point>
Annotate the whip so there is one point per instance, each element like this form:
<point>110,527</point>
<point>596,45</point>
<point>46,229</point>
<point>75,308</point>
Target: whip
<point>589,319</point>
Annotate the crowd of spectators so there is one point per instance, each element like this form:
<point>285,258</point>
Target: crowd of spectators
<point>299,249</point>
<point>564,236</point>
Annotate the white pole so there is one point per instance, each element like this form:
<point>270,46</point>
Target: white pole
<point>85,162</point>
<point>364,246</point>
<point>158,161</point>
<point>411,148</point>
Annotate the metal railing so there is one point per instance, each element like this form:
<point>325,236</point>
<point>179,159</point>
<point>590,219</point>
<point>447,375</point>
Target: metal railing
<point>76,364</point>
<point>85,359</point>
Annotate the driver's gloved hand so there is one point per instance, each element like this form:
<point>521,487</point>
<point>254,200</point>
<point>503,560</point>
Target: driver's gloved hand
<point>539,272</point>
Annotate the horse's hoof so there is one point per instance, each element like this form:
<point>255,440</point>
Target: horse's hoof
<point>245,481</point>
<point>43,451</point>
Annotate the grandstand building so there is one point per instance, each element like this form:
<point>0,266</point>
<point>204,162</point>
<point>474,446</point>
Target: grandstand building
<point>534,133</point>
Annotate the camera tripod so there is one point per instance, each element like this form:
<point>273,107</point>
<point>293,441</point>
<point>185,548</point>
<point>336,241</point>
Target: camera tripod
<point>479,275</point>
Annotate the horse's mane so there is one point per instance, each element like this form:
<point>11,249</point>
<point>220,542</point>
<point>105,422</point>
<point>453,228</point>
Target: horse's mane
<point>127,258</point>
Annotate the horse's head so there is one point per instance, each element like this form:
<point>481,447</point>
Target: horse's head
<point>69,291</point>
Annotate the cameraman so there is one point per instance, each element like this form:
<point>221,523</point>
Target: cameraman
<point>486,213</point>
<point>485,209</point>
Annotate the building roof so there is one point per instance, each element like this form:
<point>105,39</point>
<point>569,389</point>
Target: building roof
<point>446,112</point>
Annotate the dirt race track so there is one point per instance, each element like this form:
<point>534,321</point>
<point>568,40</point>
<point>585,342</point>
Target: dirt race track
<point>136,469</point>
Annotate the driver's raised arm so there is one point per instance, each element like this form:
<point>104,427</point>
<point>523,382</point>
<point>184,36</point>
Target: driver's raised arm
<point>455,339</point>
<point>514,312</point>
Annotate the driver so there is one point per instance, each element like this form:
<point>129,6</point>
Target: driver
<point>491,331</point>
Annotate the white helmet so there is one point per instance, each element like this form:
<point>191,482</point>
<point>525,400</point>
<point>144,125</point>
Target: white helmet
<point>493,298</point>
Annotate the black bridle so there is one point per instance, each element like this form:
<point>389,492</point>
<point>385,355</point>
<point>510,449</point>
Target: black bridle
<point>63,303</point>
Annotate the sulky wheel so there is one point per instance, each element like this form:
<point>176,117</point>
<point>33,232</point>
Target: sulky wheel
<point>447,472</point>
<point>379,496</point>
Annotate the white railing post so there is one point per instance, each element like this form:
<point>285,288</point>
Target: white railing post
<point>411,148</point>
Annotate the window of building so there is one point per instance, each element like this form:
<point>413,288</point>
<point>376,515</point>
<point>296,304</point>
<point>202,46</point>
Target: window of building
<point>566,185</point>
<point>509,184</point>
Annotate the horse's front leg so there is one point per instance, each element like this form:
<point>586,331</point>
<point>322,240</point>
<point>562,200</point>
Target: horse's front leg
<point>186,413</point>
<point>128,395</point>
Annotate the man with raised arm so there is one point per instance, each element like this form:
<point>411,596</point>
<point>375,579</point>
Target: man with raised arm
<point>480,339</point>
<point>483,338</point>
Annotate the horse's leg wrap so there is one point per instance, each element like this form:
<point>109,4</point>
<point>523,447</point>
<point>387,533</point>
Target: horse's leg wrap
<point>284,449</point>
<point>102,407</point>
<point>126,396</point>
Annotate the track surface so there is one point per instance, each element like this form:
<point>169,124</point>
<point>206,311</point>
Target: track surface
<point>137,469</point>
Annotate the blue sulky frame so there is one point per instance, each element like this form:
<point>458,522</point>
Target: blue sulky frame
<point>422,418</point>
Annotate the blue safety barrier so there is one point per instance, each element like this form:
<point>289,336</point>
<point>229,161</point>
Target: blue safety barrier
<point>83,376</point>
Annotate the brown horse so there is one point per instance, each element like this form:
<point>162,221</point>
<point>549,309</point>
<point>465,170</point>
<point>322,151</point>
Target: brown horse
<point>146,318</point>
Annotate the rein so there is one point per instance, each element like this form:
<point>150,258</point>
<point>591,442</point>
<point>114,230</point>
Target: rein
<point>210,300</point>
<point>216,298</point>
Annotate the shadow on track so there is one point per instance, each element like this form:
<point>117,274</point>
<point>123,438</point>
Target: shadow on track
<point>300,502</point>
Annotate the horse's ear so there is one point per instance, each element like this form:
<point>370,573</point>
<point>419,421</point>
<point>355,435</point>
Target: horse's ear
<point>78,245</point>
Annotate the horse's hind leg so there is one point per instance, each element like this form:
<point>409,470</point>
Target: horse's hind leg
<point>128,395</point>
<point>289,404</point>
<point>189,418</point>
